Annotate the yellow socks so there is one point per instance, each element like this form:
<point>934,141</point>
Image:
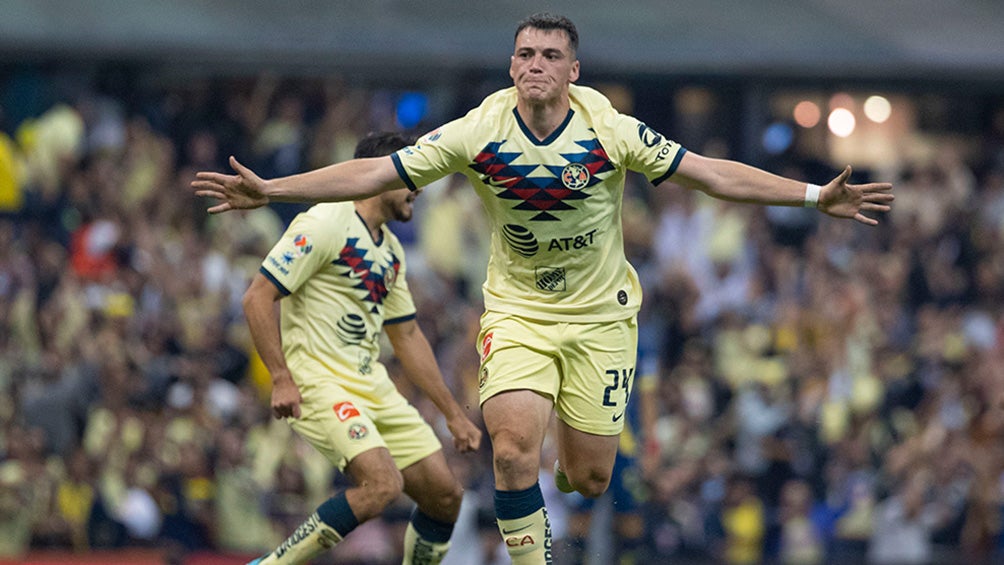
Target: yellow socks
<point>426,540</point>
<point>311,539</point>
<point>523,523</point>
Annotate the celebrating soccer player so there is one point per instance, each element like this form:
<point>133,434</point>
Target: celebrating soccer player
<point>548,159</point>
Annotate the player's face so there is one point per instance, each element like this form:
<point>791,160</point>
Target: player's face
<point>543,64</point>
<point>399,203</point>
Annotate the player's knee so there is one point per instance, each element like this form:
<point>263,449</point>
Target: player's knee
<point>449,501</point>
<point>592,489</point>
<point>383,489</point>
<point>511,456</point>
<point>511,459</point>
<point>591,484</point>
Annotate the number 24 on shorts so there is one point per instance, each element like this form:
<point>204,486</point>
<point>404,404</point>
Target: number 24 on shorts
<point>621,379</point>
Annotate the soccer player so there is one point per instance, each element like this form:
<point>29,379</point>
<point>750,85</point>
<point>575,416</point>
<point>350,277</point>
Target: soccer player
<point>340,273</point>
<point>548,159</point>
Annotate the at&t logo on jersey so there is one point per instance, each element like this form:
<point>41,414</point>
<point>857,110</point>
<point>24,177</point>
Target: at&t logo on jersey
<point>351,329</point>
<point>520,239</point>
<point>570,243</point>
<point>524,242</point>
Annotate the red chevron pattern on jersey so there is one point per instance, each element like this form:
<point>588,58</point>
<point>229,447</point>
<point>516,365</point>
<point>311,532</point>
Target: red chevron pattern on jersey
<point>376,282</point>
<point>548,193</point>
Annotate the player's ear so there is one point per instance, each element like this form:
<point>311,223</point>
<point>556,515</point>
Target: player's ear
<point>573,75</point>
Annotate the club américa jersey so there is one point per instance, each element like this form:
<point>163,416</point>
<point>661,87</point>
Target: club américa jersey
<point>341,288</point>
<point>554,205</point>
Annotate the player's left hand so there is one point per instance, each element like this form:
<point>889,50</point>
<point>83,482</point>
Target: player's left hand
<point>466,436</point>
<point>843,200</point>
<point>242,191</point>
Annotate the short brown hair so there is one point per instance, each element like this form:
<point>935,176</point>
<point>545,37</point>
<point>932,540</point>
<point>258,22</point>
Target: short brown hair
<point>379,144</point>
<point>546,21</point>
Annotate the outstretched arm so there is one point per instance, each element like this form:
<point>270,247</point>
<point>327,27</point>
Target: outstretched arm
<point>415,354</point>
<point>260,311</point>
<point>731,180</point>
<point>350,180</point>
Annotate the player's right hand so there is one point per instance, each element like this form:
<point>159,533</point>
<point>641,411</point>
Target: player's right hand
<point>242,191</point>
<point>286,399</point>
<point>466,436</point>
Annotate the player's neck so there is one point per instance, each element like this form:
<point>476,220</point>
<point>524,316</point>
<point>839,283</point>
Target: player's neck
<point>543,117</point>
<point>369,210</point>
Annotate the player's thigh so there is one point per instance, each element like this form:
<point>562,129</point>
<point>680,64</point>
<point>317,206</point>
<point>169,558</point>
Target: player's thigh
<point>336,423</point>
<point>585,455</point>
<point>375,465</point>
<point>517,354</point>
<point>598,363</point>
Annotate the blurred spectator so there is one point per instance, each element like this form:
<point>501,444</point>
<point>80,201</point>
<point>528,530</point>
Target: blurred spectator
<point>801,542</point>
<point>905,523</point>
<point>241,523</point>
<point>75,499</point>
<point>743,520</point>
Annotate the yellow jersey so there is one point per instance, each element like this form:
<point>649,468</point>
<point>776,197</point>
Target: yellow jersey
<point>554,204</point>
<point>341,287</point>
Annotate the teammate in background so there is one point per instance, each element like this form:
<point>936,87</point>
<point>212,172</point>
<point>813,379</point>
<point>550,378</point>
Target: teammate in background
<point>548,159</point>
<point>342,274</point>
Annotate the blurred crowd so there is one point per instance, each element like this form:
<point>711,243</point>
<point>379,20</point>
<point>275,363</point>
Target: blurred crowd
<point>820,391</point>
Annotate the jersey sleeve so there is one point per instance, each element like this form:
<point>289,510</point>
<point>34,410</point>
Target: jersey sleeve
<point>399,306</point>
<point>438,153</point>
<point>310,242</point>
<point>642,149</point>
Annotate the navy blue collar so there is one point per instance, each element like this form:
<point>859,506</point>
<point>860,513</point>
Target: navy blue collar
<point>365,225</point>
<point>547,140</point>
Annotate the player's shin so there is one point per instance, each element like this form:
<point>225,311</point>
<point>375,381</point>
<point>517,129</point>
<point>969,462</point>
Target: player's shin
<point>523,523</point>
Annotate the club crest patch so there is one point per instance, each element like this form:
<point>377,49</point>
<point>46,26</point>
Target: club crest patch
<point>575,176</point>
<point>358,431</point>
<point>483,377</point>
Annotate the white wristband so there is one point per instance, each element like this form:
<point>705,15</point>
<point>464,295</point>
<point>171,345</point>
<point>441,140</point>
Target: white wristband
<point>811,195</point>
